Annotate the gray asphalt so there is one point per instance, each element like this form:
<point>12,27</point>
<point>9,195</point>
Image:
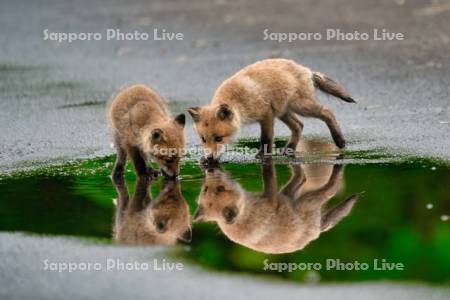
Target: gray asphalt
<point>23,276</point>
<point>53,94</point>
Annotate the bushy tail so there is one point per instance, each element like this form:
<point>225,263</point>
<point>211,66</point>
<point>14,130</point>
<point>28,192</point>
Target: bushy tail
<point>331,87</point>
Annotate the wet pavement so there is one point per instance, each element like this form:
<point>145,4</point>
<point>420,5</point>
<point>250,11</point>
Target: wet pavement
<point>53,94</point>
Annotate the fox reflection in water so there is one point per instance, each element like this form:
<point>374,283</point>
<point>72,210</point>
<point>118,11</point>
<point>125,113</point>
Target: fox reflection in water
<point>276,221</point>
<point>141,220</point>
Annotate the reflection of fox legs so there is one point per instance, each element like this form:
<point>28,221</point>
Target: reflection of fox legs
<point>139,201</point>
<point>121,161</point>
<point>122,201</point>
<point>316,198</point>
<point>269,178</point>
<point>334,215</point>
<point>292,188</point>
<point>141,197</point>
<point>162,222</point>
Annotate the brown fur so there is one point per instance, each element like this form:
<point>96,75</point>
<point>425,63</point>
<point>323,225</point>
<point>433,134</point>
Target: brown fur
<point>162,221</point>
<point>143,128</point>
<point>262,92</point>
<point>274,221</point>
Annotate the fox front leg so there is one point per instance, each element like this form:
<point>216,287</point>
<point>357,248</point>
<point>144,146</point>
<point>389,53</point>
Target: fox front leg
<point>120,164</point>
<point>266,140</point>
<point>140,165</point>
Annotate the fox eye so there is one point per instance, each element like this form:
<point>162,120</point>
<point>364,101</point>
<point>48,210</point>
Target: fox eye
<point>218,138</point>
<point>203,140</point>
<point>205,189</point>
<point>220,189</point>
<point>161,225</point>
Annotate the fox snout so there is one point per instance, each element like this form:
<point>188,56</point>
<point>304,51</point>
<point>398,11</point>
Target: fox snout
<point>209,161</point>
<point>208,164</point>
<point>212,157</point>
<point>214,151</point>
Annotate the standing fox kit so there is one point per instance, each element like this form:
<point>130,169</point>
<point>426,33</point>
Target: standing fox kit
<point>261,92</point>
<point>143,128</point>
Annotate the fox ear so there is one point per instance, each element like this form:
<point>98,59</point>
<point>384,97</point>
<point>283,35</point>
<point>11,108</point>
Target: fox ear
<point>224,112</point>
<point>199,214</point>
<point>157,136</point>
<point>195,113</point>
<point>180,119</point>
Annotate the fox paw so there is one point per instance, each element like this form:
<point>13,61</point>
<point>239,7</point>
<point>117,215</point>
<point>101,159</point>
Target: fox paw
<point>259,154</point>
<point>262,155</point>
<point>339,141</point>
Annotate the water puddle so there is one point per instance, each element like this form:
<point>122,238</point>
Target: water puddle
<point>247,217</point>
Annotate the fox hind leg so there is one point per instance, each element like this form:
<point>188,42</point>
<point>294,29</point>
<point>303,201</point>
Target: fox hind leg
<point>296,127</point>
<point>325,114</point>
<point>309,107</point>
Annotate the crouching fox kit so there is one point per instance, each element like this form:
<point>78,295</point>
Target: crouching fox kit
<point>141,220</point>
<point>276,221</point>
<point>261,92</point>
<point>143,128</point>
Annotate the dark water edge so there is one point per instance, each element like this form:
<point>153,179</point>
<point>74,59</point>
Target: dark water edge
<point>393,219</point>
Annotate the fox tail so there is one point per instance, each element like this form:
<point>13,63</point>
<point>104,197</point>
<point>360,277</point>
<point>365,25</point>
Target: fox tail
<point>331,87</point>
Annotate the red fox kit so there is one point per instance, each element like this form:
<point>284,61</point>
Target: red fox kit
<point>161,221</point>
<point>142,128</point>
<point>261,92</point>
<point>276,221</point>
